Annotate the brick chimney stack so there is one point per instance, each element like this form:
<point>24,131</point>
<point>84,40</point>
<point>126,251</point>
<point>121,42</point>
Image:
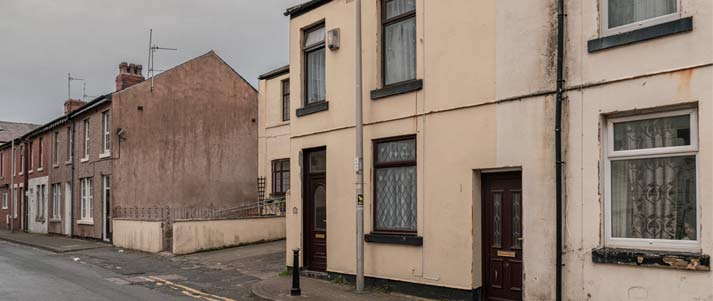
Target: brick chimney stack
<point>72,105</point>
<point>129,75</point>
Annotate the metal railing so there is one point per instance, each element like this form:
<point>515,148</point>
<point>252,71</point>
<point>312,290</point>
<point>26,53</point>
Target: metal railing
<point>267,207</point>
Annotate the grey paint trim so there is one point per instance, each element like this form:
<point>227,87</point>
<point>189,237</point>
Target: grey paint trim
<point>275,73</point>
<point>643,34</point>
<point>409,240</point>
<point>398,88</point>
<point>312,108</point>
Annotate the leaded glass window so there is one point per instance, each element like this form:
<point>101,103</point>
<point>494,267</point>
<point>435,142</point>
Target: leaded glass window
<point>395,185</point>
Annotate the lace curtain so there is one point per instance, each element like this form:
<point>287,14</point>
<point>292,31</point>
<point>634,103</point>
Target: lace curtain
<point>622,12</point>
<point>654,198</point>
<point>400,43</point>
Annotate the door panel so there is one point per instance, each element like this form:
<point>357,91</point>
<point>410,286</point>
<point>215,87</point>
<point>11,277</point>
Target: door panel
<point>315,210</point>
<point>502,236</point>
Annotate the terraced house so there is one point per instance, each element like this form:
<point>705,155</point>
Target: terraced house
<point>553,150</point>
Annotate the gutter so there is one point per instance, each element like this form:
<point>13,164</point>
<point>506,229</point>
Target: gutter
<point>558,145</point>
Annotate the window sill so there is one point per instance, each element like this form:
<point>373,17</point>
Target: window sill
<point>643,34</point>
<point>83,160</point>
<point>56,165</point>
<point>104,155</point>
<point>29,172</point>
<point>85,222</point>
<point>647,258</point>
<point>55,220</point>
<point>40,169</point>
<point>399,239</point>
<point>68,162</point>
<point>398,88</point>
<point>312,108</point>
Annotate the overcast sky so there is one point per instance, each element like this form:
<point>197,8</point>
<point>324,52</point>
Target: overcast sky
<point>41,41</point>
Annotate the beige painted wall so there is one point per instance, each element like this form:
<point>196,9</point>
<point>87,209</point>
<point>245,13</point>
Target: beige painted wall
<point>646,75</point>
<point>138,235</point>
<point>273,133</point>
<point>474,112</point>
<point>193,236</point>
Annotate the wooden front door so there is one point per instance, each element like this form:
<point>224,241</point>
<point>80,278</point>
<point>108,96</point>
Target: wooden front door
<point>502,236</point>
<point>315,210</point>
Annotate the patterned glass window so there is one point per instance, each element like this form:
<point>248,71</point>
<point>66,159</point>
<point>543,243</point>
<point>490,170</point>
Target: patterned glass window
<point>395,185</point>
<point>497,219</point>
<point>516,220</point>
<point>652,180</point>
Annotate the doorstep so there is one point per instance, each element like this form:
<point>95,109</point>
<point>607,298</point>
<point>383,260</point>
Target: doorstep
<point>278,289</point>
<point>52,243</point>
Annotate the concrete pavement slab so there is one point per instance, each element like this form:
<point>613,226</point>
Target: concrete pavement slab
<point>52,243</point>
<point>278,289</point>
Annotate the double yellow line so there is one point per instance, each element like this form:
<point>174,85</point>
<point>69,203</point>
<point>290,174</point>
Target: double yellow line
<point>191,292</point>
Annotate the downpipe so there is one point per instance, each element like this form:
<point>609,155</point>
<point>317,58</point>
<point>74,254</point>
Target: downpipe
<point>558,145</point>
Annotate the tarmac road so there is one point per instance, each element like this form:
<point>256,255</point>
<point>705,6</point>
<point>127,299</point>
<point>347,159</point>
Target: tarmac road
<point>27,273</point>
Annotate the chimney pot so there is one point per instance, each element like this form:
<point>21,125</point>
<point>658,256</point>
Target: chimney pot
<point>129,75</point>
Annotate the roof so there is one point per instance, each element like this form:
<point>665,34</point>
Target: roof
<point>275,73</point>
<point>12,130</point>
<point>303,8</point>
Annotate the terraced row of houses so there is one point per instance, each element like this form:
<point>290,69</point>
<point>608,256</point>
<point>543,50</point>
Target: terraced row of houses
<point>548,150</point>
<point>182,145</point>
<point>536,150</point>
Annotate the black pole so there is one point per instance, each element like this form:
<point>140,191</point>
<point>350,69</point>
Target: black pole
<point>295,291</point>
<point>558,144</point>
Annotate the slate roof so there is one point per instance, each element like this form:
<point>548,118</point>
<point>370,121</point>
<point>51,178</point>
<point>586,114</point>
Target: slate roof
<point>12,130</point>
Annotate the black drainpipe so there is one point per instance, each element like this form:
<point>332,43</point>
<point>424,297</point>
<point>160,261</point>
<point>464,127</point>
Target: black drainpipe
<point>558,143</point>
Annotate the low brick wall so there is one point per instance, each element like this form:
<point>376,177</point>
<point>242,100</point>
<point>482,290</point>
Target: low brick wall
<point>144,236</point>
<point>195,235</point>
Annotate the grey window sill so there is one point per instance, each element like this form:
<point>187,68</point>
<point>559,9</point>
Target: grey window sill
<point>398,88</point>
<point>410,240</point>
<point>660,259</point>
<point>643,34</point>
<point>312,108</point>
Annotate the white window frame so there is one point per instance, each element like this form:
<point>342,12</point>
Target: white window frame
<point>86,140</point>
<point>70,144</point>
<point>106,134</point>
<point>86,201</point>
<point>56,202</point>
<point>604,17</point>
<point>674,151</point>
<point>2,164</point>
<point>4,200</point>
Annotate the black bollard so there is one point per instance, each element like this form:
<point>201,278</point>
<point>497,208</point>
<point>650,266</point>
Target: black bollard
<point>295,291</point>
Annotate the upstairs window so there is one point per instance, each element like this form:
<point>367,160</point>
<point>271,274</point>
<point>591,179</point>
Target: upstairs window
<point>280,176</point>
<point>106,131</point>
<point>55,149</point>
<point>86,139</point>
<point>625,15</point>
<point>32,156</point>
<point>41,151</point>
<point>2,164</point>
<point>314,61</point>
<point>70,144</point>
<point>286,100</point>
<point>651,181</point>
<point>398,21</point>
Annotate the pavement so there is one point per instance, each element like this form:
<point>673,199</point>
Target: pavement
<point>52,243</point>
<point>278,289</point>
<point>87,270</point>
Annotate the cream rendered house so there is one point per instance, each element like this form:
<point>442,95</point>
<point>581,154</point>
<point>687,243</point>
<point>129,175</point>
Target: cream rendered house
<point>639,150</point>
<point>459,134</point>
<point>458,124</point>
<point>274,116</point>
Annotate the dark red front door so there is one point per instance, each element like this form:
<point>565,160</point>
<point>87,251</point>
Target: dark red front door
<point>502,236</point>
<point>315,210</point>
